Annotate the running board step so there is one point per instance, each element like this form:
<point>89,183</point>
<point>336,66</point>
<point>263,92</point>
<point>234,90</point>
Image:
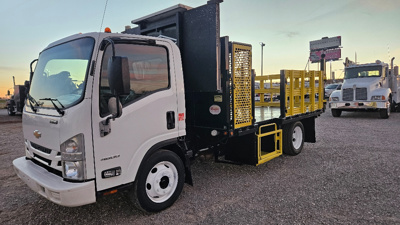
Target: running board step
<point>266,156</point>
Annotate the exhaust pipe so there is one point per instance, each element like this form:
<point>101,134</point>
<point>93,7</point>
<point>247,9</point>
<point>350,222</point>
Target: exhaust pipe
<point>391,65</point>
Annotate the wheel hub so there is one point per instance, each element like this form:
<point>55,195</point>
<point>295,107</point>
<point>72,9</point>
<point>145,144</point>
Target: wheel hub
<point>161,182</point>
<point>297,137</point>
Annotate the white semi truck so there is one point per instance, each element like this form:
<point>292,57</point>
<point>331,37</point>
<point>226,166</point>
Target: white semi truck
<point>108,112</point>
<point>368,87</point>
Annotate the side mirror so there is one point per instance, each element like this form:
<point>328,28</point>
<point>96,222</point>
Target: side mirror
<point>118,75</point>
<point>114,107</point>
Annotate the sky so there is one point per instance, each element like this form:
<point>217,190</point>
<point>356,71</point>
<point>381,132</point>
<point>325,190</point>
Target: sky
<point>369,29</point>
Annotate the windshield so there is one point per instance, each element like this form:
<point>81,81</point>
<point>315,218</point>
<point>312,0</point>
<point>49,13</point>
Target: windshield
<point>370,71</point>
<point>60,74</point>
<point>331,86</point>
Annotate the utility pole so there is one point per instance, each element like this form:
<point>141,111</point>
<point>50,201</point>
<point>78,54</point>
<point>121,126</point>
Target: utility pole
<point>262,54</point>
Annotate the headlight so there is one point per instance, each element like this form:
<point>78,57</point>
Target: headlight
<point>73,170</point>
<point>334,99</point>
<point>378,97</point>
<point>73,158</point>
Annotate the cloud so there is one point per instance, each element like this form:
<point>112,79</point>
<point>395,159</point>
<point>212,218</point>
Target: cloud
<point>289,34</point>
<point>10,68</point>
<point>292,34</point>
<point>380,6</point>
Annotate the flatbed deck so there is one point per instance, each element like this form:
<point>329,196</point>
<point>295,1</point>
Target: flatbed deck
<point>263,113</point>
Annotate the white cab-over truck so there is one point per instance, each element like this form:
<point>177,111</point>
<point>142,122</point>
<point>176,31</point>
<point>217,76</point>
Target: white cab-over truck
<point>108,112</point>
<point>368,87</point>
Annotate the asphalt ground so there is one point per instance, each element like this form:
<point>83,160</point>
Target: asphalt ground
<point>351,175</point>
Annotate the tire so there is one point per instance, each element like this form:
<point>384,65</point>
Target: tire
<point>336,112</point>
<point>10,110</point>
<point>293,138</point>
<point>384,113</point>
<point>392,105</point>
<point>159,182</point>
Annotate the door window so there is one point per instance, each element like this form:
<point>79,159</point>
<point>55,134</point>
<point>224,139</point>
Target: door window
<point>148,68</point>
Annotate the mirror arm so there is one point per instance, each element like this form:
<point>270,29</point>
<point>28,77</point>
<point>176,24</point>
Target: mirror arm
<point>31,74</point>
<point>112,45</point>
<point>108,120</point>
<point>117,102</point>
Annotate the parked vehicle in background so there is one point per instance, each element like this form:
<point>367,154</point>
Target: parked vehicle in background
<point>332,87</point>
<point>370,87</point>
<point>17,100</point>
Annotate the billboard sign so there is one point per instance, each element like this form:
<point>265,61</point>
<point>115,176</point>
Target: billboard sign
<point>326,43</point>
<point>330,55</point>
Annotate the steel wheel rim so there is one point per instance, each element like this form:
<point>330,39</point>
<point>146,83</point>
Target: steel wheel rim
<point>297,137</point>
<point>161,182</point>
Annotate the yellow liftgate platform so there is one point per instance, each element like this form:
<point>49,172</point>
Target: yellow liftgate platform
<point>257,143</point>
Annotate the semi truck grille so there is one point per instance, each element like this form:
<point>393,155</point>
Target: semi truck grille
<point>348,94</point>
<point>361,93</point>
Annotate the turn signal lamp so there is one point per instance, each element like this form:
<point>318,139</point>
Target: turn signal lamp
<point>378,97</point>
<point>107,30</point>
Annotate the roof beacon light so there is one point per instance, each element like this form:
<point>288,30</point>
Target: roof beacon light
<point>107,30</point>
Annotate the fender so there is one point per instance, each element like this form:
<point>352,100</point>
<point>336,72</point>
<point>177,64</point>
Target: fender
<point>336,93</point>
<point>382,91</point>
<point>169,144</point>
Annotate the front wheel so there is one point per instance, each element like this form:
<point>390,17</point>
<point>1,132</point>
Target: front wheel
<point>384,113</point>
<point>159,182</point>
<point>392,105</point>
<point>336,112</point>
<point>10,110</point>
<point>293,138</point>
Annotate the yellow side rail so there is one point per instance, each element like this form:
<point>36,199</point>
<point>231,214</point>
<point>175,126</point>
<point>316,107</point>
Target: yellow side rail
<point>264,157</point>
<point>295,90</point>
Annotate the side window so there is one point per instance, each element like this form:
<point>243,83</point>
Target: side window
<point>148,68</point>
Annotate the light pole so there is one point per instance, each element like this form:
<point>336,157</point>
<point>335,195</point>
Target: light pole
<point>262,46</point>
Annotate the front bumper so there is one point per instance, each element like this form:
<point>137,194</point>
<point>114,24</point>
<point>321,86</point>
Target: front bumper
<point>359,105</point>
<point>54,187</point>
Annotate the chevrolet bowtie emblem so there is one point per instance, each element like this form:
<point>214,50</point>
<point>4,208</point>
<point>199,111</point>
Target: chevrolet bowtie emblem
<point>37,134</point>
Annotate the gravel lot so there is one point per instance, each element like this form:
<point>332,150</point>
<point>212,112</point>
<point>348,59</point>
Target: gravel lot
<point>350,176</point>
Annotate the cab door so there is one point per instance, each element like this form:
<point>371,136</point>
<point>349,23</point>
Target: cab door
<point>149,112</point>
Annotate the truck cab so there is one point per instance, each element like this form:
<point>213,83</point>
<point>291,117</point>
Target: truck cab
<point>71,136</point>
<point>366,87</point>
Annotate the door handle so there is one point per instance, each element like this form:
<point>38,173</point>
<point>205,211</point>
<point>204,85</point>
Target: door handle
<point>170,120</point>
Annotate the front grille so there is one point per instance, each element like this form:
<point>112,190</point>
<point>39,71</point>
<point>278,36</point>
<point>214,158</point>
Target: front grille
<point>348,94</point>
<point>41,148</point>
<point>48,161</point>
<point>46,156</point>
<point>361,93</point>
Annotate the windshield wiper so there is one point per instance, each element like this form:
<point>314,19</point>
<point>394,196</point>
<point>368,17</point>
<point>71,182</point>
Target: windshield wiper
<point>60,111</point>
<point>31,102</point>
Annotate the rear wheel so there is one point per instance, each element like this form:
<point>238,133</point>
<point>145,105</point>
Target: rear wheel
<point>336,112</point>
<point>293,138</point>
<point>159,182</point>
